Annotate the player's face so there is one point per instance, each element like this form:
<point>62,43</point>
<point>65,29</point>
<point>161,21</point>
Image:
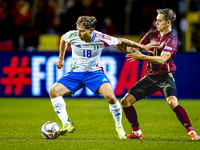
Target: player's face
<point>161,23</point>
<point>84,33</point>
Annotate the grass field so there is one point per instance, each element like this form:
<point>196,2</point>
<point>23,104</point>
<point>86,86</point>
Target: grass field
<point>21,121</point>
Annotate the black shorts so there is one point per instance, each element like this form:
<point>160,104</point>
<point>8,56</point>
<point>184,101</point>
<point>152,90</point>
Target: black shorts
<point>152,83</point>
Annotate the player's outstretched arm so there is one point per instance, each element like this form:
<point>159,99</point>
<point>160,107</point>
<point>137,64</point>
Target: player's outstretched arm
<point>141,47</point>
<point>62,49</point>
<point>123,48</point>
<point>153,59</point>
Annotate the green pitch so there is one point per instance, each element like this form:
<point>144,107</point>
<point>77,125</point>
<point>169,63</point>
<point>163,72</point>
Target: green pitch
<point>21,121</point>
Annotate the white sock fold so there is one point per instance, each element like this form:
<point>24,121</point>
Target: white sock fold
<point>60,108</point>
<point>116,111</point>
<point>137,133</point>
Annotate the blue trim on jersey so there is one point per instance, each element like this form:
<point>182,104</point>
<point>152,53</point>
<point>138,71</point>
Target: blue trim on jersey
<point>94,35</point>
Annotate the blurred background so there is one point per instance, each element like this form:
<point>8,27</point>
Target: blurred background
<point>30,31</point>
<point>28,25</point>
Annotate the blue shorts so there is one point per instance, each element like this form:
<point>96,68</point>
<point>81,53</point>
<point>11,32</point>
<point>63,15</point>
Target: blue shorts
<point>76,80</point>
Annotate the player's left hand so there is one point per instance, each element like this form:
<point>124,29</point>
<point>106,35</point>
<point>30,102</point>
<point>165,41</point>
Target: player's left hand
<point>136,55</point>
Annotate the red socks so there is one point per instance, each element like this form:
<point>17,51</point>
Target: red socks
<point>131,116</point>
<point>181,114</point>
<point>183,117</point>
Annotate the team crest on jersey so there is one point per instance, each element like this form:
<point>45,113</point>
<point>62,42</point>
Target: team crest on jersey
<point>152,40</point>
<point>162,44</point>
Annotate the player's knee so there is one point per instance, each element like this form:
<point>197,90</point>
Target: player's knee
<point>53,93</point>
<point>124,102</point>
<point>111,99</point>
<point>172,102</point>
<point>128,100</point>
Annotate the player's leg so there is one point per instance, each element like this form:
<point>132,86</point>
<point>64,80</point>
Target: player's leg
<point>107,92</point>
<point>102,86</point>
<point>56,93</point>
<point>140,90</point>
<point>169,92</point>
<point>66,85</point>
<point>182,116</point>
<point>127,104</point>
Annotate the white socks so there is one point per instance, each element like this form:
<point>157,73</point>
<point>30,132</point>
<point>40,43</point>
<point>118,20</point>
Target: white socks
<point>116,111</point>
<point>137,133</point>
<point>60,108</point>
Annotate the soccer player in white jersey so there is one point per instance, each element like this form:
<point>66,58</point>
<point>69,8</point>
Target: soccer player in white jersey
<point>87,45</point>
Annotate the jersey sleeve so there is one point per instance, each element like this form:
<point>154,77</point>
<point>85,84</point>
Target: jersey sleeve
<point>107,39</point>
<point>70,36</point>
<point>171,45</point>
<point>146,39</point>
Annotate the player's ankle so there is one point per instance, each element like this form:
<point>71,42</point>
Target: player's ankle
<point>189,129</point>
<point>137,133</point>
<point>136,128</point>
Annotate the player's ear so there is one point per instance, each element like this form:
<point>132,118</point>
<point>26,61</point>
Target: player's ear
<point>169,22</point>
<point>91,29</point>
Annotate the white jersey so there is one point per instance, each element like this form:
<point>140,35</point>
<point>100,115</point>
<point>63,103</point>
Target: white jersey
<point>86,56</point>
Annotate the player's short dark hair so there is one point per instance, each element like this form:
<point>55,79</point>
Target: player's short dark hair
<point>87,21</point>
<point>168,14</point>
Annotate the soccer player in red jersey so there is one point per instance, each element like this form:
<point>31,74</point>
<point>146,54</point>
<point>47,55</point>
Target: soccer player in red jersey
<point>159,75</point>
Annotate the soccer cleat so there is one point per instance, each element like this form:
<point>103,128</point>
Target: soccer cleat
<point>121,133</point>
<point>193,135</point>
<point>67,127</point>
<point>133,136</point>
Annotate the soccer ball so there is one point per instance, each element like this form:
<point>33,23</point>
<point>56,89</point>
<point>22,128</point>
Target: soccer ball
<point>50,130</point>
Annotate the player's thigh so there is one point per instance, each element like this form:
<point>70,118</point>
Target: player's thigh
<point>143,88</point>
<point>167,86</point>
<point>94,80</point>
<point>58,89</point>
<point>72,81</point>
<point>106,90</point>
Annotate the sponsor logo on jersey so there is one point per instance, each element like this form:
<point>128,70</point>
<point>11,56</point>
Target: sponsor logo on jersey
<point>78,46</point>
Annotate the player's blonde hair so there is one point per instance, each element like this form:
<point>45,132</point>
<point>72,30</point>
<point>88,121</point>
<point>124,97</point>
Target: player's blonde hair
<point>87,21</point>
<point>168,14</point>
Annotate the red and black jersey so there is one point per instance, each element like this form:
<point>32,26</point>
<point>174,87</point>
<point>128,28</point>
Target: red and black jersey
<point>168,43</point>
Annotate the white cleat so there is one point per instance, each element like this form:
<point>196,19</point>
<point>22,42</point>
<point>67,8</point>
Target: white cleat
<point>121,133</point>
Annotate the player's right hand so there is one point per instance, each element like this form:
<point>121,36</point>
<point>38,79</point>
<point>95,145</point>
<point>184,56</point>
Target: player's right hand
<point>60,63</point>
<point>148,47</point>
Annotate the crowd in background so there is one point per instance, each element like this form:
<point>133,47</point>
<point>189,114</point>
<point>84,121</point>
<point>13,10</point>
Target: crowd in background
<point>25,20</point>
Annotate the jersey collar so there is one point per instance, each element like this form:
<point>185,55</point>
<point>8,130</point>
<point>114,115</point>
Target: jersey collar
<point>168,33</point>
<point>94,35</point>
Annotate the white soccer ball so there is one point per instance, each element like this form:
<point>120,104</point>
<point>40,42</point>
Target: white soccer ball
<point>50,130</point>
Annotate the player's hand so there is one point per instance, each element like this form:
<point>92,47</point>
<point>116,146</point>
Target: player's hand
<point>121,48</point>
<point>148,48</point>
<point>60,63</point>
<point>136,55</point>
